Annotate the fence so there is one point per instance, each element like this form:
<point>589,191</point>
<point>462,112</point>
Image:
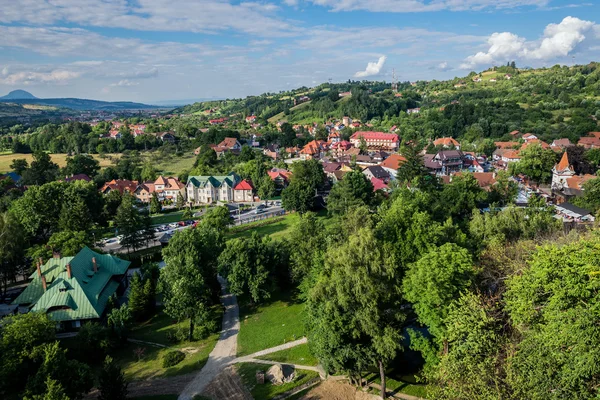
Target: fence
<point>258,217</point>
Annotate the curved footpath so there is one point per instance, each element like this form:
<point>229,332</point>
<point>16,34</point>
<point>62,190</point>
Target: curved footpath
<point>225,349</point>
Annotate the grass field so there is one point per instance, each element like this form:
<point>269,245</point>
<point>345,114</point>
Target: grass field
<point>299,355</point>
<point>172,166</point>
<point>406,385</point>
<point>281,228</point>
<point>269,325</point>
<point>267,391</point>
<point>159,329</point>
<point>60,159</point>
<point>166,218</point>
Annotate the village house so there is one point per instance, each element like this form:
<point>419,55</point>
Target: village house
<point>447,143</point>
<point>376,140</point>
<point>313,149</point>
<point>379,184</point>
<point>392,163</point>
<point>121,185</point>
<point>211,189</point>
<point>376,172</point>
<point>444,162</point>
<point>561,172</point>
<point>280,177</point>
<point>77,177</point>
<point>228,145</point>
<point>560,144</point>
<point>243,192</point>
<point>166,189</point>
<point>592,141</point>
<point>251,118</point>
<point>72,290</point>
<point>168,137</point>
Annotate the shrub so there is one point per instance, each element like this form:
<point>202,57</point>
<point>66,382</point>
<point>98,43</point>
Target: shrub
<point>172,358</point>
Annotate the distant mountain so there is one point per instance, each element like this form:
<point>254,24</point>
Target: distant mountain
<point>75,104</point>
<point>18,95</point>
<point>178,103</point>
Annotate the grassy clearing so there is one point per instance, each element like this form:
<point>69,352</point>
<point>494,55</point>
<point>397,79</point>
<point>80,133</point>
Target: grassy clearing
<point>269,325</point>
<point>160,329</point>
<point>299,355</point>
<point>172,166</point>
<point>406,384</point>
<point>280,228</point>
<point>60,159</point>
<point>267,391</point>
<point>160,219</point>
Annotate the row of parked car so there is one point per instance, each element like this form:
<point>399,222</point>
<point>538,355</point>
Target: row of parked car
<point>173,225</point>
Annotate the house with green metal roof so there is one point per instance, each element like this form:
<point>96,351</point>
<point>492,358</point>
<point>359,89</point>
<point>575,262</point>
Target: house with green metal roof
<point>71,290</point>
<point>211,189</point>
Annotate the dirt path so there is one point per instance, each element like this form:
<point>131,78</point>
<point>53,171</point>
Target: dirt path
<point>264,352</point>
<point>227,385</point>
<point>332,390</point>
<point>224,351</point>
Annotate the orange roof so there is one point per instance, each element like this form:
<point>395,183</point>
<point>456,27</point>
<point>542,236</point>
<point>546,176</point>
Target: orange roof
<point>160,181</point>
<point>589,141</point>
<point>505,145</point>
<point>594,134</point>
<point>446,141</point>
<point>393,161</point>
<point>535,141</point>
<point>511,154</point>
<point>577,181</point>
<point>228,142</point>
<point>564,163</point>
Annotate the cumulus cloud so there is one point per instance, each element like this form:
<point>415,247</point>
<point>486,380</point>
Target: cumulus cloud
<point>558,40</point>
<point>58,76</point>
<point>372,68</point>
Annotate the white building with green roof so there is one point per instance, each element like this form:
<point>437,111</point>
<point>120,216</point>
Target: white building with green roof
<point>74,289</point>
<point>211,189</point>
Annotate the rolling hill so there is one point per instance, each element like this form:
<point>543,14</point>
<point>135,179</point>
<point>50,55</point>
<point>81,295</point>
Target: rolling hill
<point>22,97</point>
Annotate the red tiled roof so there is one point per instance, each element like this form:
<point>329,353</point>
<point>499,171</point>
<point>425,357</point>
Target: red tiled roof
<point>368,135</point>
<point>378,184</point>
<point>228,142</point>
<point>121,185</point>
<point>505,145</point>
<point>243,185</point>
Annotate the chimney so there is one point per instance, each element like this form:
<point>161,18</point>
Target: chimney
<point>69,275</point>
<point>95,264</point>
<point>44,284</point>
<point>39,268</point>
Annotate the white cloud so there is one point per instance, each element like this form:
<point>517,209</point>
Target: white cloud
<point>151,15</point>
<point>372,68</point>
<point>32,77</point>
<point>125,82</point>
<point>407,6</point>
<point>443,66</point>
<point>558,40</point>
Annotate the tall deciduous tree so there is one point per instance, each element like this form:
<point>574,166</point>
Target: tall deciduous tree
<point>353,191</point>
<point>431,284</point>
<point>189,279</point>
<point>536,163</point>
<point>349,331</point>
<point>246,263</point>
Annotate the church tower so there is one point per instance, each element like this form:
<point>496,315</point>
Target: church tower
<point>561,172</point>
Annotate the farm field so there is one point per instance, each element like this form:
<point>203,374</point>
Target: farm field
<point>60,159</point>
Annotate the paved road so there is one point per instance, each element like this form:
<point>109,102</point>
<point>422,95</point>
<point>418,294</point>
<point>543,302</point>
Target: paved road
<point>224,351</point>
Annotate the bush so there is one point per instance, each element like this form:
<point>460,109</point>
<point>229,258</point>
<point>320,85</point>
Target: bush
<point>172,358</point>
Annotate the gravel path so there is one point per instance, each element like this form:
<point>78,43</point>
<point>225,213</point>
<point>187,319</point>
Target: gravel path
<point>224,351</point>
<point>264,352</point>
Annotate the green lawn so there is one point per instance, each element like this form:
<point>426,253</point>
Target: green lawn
<point>299,355</point>
<point>281,228</point>
<point>267,391</point>
<point>269,325</point>
<point>160,219</point>
<point>161,329</point>
<point>406,384</point>
<point>172,165</point>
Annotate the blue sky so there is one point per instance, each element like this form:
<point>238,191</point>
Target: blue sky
<point>152,50</point>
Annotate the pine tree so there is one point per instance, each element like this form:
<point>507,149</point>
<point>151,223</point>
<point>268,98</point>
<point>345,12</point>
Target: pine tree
<point>112,382</point>
<point>155,206</point>
<point>180,202</point>
<point>137,297</point>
